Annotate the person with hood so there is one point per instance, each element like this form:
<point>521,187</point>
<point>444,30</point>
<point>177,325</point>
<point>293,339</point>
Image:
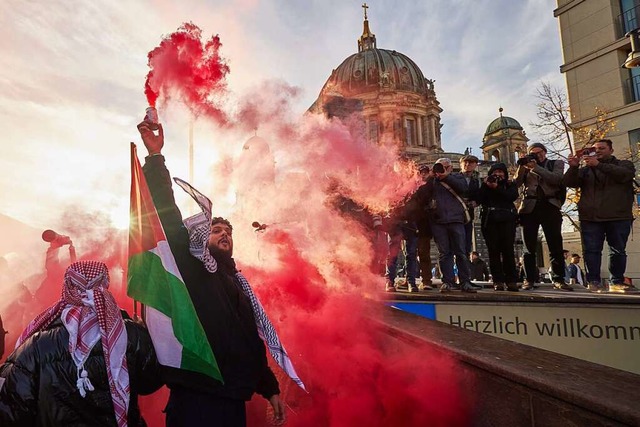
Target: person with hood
<point>81,362</point>
<point>498,218</point>
<point>233,319</point>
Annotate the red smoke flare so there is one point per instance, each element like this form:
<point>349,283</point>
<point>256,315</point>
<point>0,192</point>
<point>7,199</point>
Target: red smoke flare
<point>185,68</point>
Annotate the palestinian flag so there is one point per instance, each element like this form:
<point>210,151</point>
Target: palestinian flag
<point>154,280</point>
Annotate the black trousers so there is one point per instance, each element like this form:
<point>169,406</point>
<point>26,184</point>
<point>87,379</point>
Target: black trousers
<point>549,217</point>
<point>188,408</point>
<point>500,239</point>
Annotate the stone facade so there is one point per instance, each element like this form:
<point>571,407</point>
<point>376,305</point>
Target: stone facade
<point>394,101</point>
<point>594,47</point>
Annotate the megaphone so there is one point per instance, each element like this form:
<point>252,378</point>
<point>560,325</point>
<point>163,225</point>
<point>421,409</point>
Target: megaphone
<point>50,236</point>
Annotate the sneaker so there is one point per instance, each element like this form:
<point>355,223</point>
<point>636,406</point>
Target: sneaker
<point>467,288</point>
<point>425,287</point>
<point>621,288</point>
<point>389,287</point>
<point>413,288</point>
<point>595,287</point>
<point>527,286</point>
<point>402,285</point>
<point>498,287</point>
<point>512,287</point>
<point>445,288</point>
<point>562,286</point>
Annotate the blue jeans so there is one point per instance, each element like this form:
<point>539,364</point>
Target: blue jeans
<point>411,257</point>
<point>450,240</point>
<point>593,236</point>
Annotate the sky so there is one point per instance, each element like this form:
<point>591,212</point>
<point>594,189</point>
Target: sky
<point>72,75</point>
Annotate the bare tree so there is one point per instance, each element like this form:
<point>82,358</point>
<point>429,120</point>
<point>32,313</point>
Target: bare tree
<point>561,138</point>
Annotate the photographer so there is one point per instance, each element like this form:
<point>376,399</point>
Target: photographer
<point>468,166</point>
<point>543,196</point>
<point>449,215</point>
<point>498,216</point>
<point>605,210</point>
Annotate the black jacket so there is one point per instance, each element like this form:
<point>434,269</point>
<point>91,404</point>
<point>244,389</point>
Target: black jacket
<point>497,204</point>
<point>606,191</point>
<point>223,309</point>
<point>40,377</point>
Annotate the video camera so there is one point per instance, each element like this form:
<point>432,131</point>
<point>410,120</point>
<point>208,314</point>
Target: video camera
<point>527,159</point>
<point>588,151</point>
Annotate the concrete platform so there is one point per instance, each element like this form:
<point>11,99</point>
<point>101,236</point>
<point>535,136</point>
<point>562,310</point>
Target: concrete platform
<point>518,385</point>
<point>599,328</point>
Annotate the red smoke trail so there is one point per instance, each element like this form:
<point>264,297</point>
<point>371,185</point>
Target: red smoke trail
<point>310,266</point>
<point>354,376</point>
<point>192,71</point>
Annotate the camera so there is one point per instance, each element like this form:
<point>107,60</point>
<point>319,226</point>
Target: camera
<point>438,168</point>
<point>526,159</point>
<point>494,178</point>
<point>588,151</point>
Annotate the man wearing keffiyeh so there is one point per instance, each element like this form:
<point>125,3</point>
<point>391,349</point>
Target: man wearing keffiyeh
<point>233,319</point>
<point>79,362</point>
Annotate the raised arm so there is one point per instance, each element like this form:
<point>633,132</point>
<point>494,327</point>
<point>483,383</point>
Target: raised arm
<point>554,176</point>
<point>159,181</point>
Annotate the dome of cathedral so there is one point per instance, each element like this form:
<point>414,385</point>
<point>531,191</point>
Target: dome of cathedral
<point>373,68</point>
<point>256,145</point>
<point>502,122</point>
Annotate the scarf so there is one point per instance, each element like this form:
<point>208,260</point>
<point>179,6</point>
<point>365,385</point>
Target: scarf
<point>199,229</point>
<point>90,314</point>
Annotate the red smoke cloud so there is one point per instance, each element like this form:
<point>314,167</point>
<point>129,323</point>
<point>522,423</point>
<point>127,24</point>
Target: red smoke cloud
<point>192,71</point>
<point>310,266</point>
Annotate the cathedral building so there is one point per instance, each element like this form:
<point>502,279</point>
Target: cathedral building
<point>396,103</point>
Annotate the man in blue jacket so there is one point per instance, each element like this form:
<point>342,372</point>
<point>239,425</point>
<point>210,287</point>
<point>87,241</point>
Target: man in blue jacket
<point>449,215</point>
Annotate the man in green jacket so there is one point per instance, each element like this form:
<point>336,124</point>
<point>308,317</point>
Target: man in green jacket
<point>605,211</point>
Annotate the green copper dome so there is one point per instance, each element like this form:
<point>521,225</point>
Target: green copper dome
<point>502,122</point>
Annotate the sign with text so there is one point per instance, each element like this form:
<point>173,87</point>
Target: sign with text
<point>607,335</point>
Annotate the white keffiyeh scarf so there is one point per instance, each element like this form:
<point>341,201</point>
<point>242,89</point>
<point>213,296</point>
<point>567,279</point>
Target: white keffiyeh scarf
<point>199,228</point>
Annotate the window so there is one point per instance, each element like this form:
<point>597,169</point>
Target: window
<point>635,82</point>
<point>634,145</point>
<point>373,131</point>
<point>630,14</point>
<point>410,127</point>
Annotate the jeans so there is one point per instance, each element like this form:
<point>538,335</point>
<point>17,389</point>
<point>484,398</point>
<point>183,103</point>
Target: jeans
<point>549,217</point>
<point>468,238</point>
<point>395,243</point>
<point>450,240</point>
<point>593,236</point>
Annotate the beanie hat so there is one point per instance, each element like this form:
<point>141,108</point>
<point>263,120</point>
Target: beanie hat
<point>538,145</point>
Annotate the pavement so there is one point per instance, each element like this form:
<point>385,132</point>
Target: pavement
<point>544,292</point>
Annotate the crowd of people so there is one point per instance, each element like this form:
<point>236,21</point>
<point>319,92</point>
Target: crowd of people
<point>443,209</point>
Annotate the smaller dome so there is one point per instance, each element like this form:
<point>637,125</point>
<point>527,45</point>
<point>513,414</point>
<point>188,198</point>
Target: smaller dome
<point>257,145</point>
<point>502,122</point>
